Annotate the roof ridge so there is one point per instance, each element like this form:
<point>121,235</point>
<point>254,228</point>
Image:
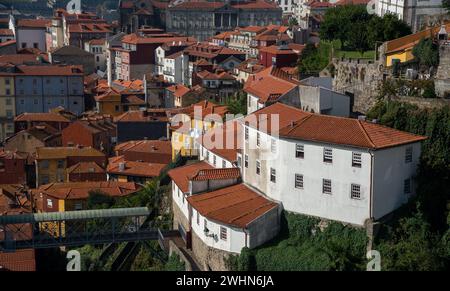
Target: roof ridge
<point>366,134</point>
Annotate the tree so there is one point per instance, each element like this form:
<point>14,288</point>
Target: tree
<point>99,200</point>
<point>314,59</point>
<point>238,105</point>
<point>292,22</point>
<point>427,53</point>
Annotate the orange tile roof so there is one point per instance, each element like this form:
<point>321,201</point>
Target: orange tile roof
<point>206,75</point>
<point>182,175</point>
<point>19,260</point>
<point>216,174</point>
<point>178,90</point>
<point>50,70</point>
<point>276,50</point>
<point>134,168</point>
<point>136,39</point>
<point>140,116</point>
<point>411,40</point>
<point>81,190</point>
<point>42,117</point>
<point>220,139</point>
<point>34,23</point>
<point>267,86</point>
<point>297,124</point>
<point>147,146</point>
<point>6,32</point>
<point>85,167</point>
<point>89,28</point>
<point>235,205</point>
<point>44,153</point>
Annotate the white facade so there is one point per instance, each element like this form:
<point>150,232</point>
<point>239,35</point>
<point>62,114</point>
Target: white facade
<point>160,55</point>
<point>31,38</point>
<point>176,69</point>
<point>379,181</point>
<point>413,12</point>
<point>100,55</point>
<point>288,6</point>
<point>213,159</point>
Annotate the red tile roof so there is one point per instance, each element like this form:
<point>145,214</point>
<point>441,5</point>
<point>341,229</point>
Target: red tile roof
<point>140,116</point>
<point>34,23</point>
<point>157,151</point>
<point>44,153</point>
<point>235,205</point>
<point>134,168</point>
<point>267,86</point>
<point>85,167</point>
<point>276,50</point>
<point>182,175</point>
<point>216,174</point>
<point>19,260</point>
<point>297,124</point>
<point>51,70</point>
<point>178,90</point>
<point>206,75</point>
<point>6,32</point>
<point>137,39</point>
<point>89,28</point>
<point>41,117</point>
<point>352,2</point>
<point>81,190</point>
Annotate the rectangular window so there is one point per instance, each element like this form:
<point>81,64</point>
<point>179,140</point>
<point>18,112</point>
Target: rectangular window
<point>239,161</point>
<point>326,186</point>
<point>355,191</point>
<point>273,146</point>
<point>246,133</point>
<point>78,206</point>
<point>258,167</point>
<point>327,155</point>
<point>198,218</point>
<point>273,175</point>
<point>224,164</point>
<point>49,203</point>
<point>60,164</point>
<point>214,160</point>
<point>298,181</point>
<point>299,151</point>
<point>223,233</point>
<point>205,225</point>
<point>44,164</point>
<point>246,161</point>
<point>408,155</point>
<point>258,139</point>
<point>407,186</point>
<point>8,101</point>
<point>356,160</point>
<point>8,91</point>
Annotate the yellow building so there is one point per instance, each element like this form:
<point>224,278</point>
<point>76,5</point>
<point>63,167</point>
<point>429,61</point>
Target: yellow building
<point>197,119</point>
<point>115,103</point>
<point>7,105</point>
<point>401,48</point>
<point>52,163</point>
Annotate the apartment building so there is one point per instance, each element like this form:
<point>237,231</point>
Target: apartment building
<point>40,88</point>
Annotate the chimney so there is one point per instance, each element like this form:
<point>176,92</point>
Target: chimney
<point>121,166</point>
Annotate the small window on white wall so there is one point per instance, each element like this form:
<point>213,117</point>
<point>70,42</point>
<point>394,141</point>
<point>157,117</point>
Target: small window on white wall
<point>49,203</point>
<point>224,164</point>
<point>223,233</point>
<point>356,160</point>
<point>326,186</point>
<point>355,191</point>
<point>273,146</point>
<point>258,167</point>
<point>408,155</point>
<point>407,186</point>
<point>198,219</point>
<point>298,181</point>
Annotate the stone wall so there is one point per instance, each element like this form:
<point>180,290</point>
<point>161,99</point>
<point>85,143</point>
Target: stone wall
<point>207,257</point>
<point>442,80</point>
<point>358,78</point>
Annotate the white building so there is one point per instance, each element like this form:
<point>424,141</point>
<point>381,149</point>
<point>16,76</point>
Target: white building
<point>208,208</point>
<point>176,68</point>
<point>288,6</point>
<point>413,12</point>
<point>331,167</point>
<point>31,33</point>
<point>98,48</point>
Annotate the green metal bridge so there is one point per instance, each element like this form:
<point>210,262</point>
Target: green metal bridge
<point>77,228</point>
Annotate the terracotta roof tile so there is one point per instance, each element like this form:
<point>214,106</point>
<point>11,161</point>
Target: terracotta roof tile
<point>297,124</point>
<point>181,175</point>
<point>134,168</point>
<point>235,205</point>
<point>43,153</point>
<point>220,139</point>
<point>42,117</point>
<point>216,174</point>
<point>19,260</point>
<point>81,190</point>
<point>34,23</point>
<point>85,167</point>
<point>178,90</point>
<point>265,85</point>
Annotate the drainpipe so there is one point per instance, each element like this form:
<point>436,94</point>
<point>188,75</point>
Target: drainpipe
<point>371,184</point>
